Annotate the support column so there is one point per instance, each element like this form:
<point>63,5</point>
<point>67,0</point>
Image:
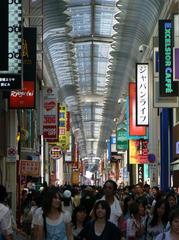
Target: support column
<point>165,149</point>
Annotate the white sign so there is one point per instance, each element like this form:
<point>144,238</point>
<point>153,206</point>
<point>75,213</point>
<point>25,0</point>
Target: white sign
<point>142,70</point>
<point>50,114</point>
<point>55,152</point>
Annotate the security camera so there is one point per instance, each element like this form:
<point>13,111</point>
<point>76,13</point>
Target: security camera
<point>142,48</point>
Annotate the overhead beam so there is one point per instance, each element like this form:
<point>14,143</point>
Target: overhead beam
<point>92,38</point>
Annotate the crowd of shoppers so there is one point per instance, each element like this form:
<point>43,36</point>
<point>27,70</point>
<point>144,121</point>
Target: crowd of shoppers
<point>93,213</point>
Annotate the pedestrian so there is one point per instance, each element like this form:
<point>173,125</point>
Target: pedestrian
<point>173,233</point>
<point>53,223</point>
<point>79,219</point>
<point>135,226</point>
<point>100,228</point>
<point>110,188</point>
<point>158,223</point>
<point>6,231</point>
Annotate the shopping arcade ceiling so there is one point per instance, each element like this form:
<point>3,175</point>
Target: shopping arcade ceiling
<point>90,50</point>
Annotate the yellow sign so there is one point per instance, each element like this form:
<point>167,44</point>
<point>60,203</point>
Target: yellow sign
<point>75,178</point>
<point>64,129</point>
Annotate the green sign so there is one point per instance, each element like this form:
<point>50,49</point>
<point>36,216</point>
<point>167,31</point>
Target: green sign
<point>121,137</point>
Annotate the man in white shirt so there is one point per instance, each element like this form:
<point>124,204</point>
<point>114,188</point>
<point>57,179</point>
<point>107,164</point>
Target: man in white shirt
<point>110,188</point>
<point>5,216</point>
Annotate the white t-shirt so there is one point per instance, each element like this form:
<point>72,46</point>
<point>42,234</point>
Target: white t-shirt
<point>35,218</point>
<point>63,217</point>
<point>116,211</point>
<point>160,236</point>
<point>5,220</point>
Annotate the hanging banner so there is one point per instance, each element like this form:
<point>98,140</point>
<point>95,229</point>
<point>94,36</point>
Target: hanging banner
<point>25,97</point>
<point>138,151</point>
<point>142,80</point>
<point>134,130</point>
<point>168,88</point>
<point>10,44</point>
<point>50,114</point>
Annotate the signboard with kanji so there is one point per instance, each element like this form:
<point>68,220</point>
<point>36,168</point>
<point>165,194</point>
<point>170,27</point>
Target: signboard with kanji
<point>29,168</point>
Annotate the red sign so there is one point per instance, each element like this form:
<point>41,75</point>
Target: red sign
<point>68,121</point>
<point>50,114</point>
<point>50,132</point>
<point>75,157</point>
<point>134,130</point>
<point>49,119</point>
<point>49,105</point>
<point>23,98</point>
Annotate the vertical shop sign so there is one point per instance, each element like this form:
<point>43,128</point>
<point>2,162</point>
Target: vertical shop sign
<point>62,126</point>
<point>25,97</point>
<point>67,130</point>
<point>11,40</point>
<point>168,88</point>
<point>50,114</point>
<point>142,73</point>
<point>140,173</point>
<point>4,35</point>
<point>113,143</point>
<point>134,130</point>
<point>75,156</point>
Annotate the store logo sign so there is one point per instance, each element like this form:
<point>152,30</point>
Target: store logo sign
<point>168,88</point>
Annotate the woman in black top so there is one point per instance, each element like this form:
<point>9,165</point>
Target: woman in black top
<point>100,228</point>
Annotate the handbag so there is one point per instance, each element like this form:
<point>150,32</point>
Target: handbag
<point>2,236</point>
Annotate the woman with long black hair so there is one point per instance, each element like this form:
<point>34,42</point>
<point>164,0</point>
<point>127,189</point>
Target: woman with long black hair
<point>79,219</point>
<point>100,228</point>
<point>158,223</point>
<point>53,224</point>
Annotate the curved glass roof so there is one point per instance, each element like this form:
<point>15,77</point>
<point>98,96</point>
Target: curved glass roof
<point>92,47</point>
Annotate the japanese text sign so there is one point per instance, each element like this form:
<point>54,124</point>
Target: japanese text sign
<point>142,73</point>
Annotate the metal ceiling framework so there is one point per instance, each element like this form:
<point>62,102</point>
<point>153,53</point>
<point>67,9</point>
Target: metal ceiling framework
<point>91,48</point>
